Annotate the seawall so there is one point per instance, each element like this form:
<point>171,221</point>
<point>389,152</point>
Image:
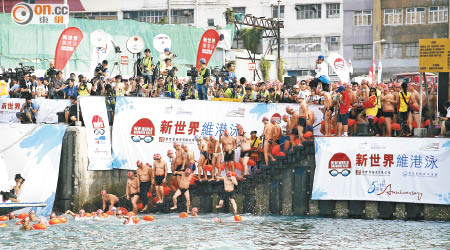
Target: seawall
<point>283,188</point>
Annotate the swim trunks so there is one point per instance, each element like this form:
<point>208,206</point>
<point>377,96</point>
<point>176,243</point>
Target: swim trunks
<point>295,131</point>
<point>159,180</point>
<point>302,122</point>
<point>245,153</point>
<point>205,154</point>
<point>227,195</point>
<point>229,157</point>
<point>131,195</point>
<point>183,190</point>
<point>388,114</point>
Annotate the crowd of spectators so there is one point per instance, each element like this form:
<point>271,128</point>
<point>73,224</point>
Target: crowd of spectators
<point>384,106</point>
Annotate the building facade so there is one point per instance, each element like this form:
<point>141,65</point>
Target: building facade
<point>390,31</point>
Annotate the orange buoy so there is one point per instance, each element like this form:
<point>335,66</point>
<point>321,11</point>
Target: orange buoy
<point>22,216</point>
<point>148,218</point>
<point>155,199</point>
<point>166,191</point>
<point>130,214</point>
<point>234,174</point>
<point>19,222</point>
<point>140,206</point>
<point>109,212</point>
<point>54,221</point>
<point>124,210</point>
<point>395,126</point>
<point>62,219</point>
<point>237,217</point>
<point>105,215</point>
<point>350,122</point>
<point>135,220</point>
<point>4,218</point>
<point>308,134</point>
<point>149,194</point>
<point>3,225</point>
<point>238,166</point>
<point>193,179</point>
<point>381,120</point>
<point>183,215</point>
<point>276,149</point>
<point>39,226</point>
<point>208,168</point>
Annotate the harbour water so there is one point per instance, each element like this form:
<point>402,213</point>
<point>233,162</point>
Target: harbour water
<point>168,231</point>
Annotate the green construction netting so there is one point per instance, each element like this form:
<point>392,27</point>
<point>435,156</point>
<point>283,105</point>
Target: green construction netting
<point>35,44</point>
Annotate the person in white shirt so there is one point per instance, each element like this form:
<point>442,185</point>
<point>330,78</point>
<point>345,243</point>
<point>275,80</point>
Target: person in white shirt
<point>40,90</point>
<point>321,75</point>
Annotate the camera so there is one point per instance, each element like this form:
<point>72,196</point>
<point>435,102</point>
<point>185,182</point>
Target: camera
<point>18,73</point>
<point>192,72</point>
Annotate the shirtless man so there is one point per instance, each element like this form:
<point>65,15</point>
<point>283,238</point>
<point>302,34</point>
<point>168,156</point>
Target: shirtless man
<point>144,174</point>
<point>173,181</point>
<point>414,115</point>
<point>203,148</point>
<point>216,156</point>
<point>286,132</point>
<point>311,118</point>
<point>159,176</point>
<point>228,182</point>
<point>246,148</point>
<point>109,198</point>
<point>292,125</point>
<point>302,113</point>
<point>190,157</point>
<point>268,140</point>
<point>180,161</point>
<point>387,100</point>
<point>132,190</point>
<point>228,146</point>
<point>184,189</point>
<point>276,131</point>
<point>26,225</point>
<point>327,111</point>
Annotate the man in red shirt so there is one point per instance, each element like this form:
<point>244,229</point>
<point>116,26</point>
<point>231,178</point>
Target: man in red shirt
<point>344,106</point>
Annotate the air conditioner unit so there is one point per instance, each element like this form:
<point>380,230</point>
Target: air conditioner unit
<point>126,15</point>
<point>187,13</point>
<point>333,39</point>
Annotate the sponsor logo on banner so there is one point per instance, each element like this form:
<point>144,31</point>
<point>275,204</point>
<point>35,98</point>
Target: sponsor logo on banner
<point>99,129</point>
<point>277,117</point>
<point>207,45</point>
<point>23,14</point>
<point>339,164</point>
<point>143,130</point>
<point>339,63</point>
<point>239,112</point>
<point>68,42</point>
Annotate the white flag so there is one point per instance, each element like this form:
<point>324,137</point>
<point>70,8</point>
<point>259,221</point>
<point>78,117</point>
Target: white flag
<point>380,72</point>
<point>338,64</point>
<point>350,66</point>
<point>100,53</point>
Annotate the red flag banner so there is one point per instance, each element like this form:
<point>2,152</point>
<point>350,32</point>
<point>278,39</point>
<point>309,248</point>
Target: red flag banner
<point>207,45</point>
<point>68,42</point>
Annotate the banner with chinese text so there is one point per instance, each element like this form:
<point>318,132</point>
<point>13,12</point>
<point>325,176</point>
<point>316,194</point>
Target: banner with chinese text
<point>145,126</point>
<point>97,132</point>
<point>414,170</point>
<point>46,114</point>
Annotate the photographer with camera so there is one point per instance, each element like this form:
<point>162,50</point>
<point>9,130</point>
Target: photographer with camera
<point>26,86</point>
<point>230,76</point>
<point>51,71</point>
<point>203,78</point>
<point>28,111</point>
<point>169,74</point>
<point>70,89</point>
<point>147,66</point>
<point>102,69</point>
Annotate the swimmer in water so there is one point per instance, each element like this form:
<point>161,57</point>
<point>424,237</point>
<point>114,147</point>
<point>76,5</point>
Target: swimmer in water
<point>184,189</point>
<point>217,220</point>
<point>11,216</point>
<point>229,182</point>
<point>109,198</point>
<point>32,216</point>
<point>80,214</point>
<point>194,212</point>
<point>26,225</point>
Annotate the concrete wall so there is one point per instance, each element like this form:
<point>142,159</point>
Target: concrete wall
<point>283,188</point>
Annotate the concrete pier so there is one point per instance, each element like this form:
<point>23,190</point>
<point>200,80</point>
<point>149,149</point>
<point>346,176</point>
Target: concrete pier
<point>284,187</point>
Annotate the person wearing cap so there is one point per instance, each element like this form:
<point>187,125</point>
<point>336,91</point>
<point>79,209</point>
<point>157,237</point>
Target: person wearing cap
<point>159,176</point>
<point>249,95</point>
<point>344,105</point>
<point>272,97</point>
<point>28,111</point>
<point>147,66</point>
<point>185,181</point>
<point>262,93</point>
<point>228,146</point>
<point>71,113</point>
<point>302,116</point>
<point>144,173</point>
<point>321,75</point>
<point>268,140</point>
<point>229,75</point>
<point>26,85</point>
<point>132,190</point>
<point>371,110</point>
<point>229,182</point>
<point>112,199</point>
<point>203,80</point>
<point>166,54</point>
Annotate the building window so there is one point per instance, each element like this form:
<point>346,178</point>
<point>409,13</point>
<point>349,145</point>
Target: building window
<point>392,50</point>
<point>210,22</point>
<point>415,15</point>
<point>333,10</point>
<point>275,11</point>
<point>363,51</point>
<point>309,11</point>
<point>301,72</point>
<point>362,18</point>
<point>438,14</point>
<point>393,16</point>
<point>182,16</point>
<point>95,15</point>
<point>239,10</point>
<point>333,43</point>
<point>306,44</point>
<point>412,50</point>
<point>148,16</point>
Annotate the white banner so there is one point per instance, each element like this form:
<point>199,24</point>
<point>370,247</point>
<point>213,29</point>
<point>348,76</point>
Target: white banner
<point>380,73</point>
<point>97,132</point>
<point>46,114</point>
<point>339,66</point>
<point>414,170</point>
<point>33,151</point>
<point>145,126</point>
